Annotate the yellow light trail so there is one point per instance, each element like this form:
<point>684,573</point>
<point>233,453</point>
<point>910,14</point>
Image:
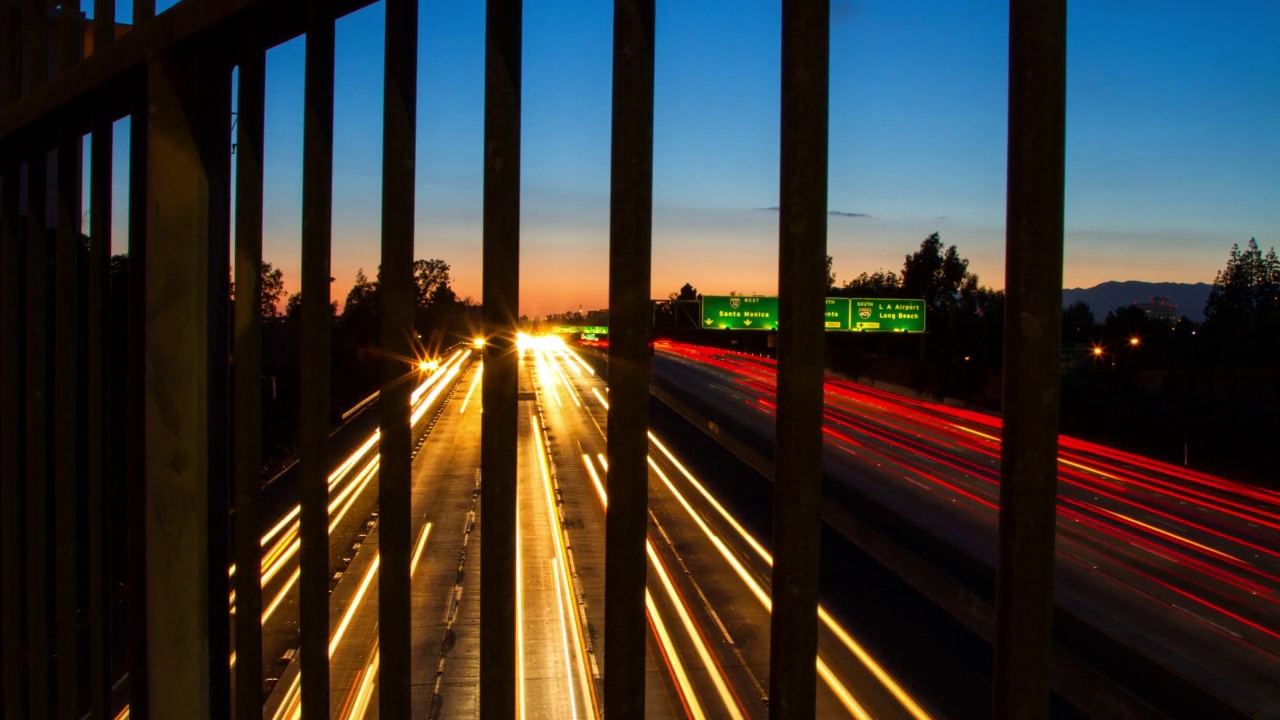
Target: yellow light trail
<point>519,621</point>
<point>359,705</point>
<point>708,662</point>
<point>1166,533</point>
<point>563,574</point>
<point>874,667</point>
<point>677,667</point>
<point>474,382</point>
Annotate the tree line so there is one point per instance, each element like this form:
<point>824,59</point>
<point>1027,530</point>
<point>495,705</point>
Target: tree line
<point>965,319</point>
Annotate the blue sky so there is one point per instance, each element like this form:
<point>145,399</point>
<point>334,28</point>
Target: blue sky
<point>1172,151</point>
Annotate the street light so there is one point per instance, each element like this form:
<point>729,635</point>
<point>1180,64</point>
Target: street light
<point>1133,341</point>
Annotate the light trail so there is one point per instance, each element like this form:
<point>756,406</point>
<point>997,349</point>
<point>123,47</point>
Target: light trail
<point>838,688</point>
<point>520,693</point>
<point>359,703</point>
<point>563,574</point>
<point>717,675</point>
<point>471,390</point>
<point>908,703</point>
<point>1166,533</point>
<point>688,697</point>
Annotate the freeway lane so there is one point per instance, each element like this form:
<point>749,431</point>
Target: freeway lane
<point>708,583</point>
<point>1181,565</point>
<point>353,487</point>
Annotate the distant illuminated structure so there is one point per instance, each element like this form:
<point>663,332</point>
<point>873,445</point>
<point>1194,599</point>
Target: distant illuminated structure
<point>1161,308</point>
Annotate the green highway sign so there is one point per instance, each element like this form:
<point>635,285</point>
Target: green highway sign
<point>584,329</point>
<point>760,312</point>
<point>837,314</point>
<point>739,312</point>
<point>886,315</point>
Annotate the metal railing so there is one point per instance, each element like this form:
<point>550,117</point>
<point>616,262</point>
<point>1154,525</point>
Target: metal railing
<point>171,74</point>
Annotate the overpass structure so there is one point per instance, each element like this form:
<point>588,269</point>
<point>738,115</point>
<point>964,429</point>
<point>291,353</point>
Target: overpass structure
<point>191,417</point>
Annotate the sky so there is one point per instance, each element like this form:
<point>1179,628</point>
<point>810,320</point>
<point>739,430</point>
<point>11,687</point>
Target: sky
<point>1172,148</point>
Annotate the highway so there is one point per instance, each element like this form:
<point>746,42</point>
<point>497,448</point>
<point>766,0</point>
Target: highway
<point>1180,565</point>
<point>708,579</point>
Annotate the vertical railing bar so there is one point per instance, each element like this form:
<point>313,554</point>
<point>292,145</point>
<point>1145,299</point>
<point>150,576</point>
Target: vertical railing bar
<point>247,423</point>
<point>11,286</point>
<point>99,449</point>
<point>66,437</point>
<point>11,422</point>
<point>36,456</point>
<point>630,251</point>
<point>11,53</point>
<point>188,133</point>
<point>70,37</point>
<point>135,438</point>
<point>36,44</point>
<point>802,235</point>
<point>317,218</point>
<point>66,421</point>
<point>104,32</point>
<point>216,139</point>
<point>143,10</point>
<point>399,146</point>
<point>500,297</point>
<point>1032,342</point>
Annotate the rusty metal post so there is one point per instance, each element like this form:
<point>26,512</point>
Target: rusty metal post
<point>399,147</point>
<point>66,416</point>
<point>802,235</point>
<point>313,434</point>
<point>247,424</point>
<point>188,128</point>
<point>1032,344</point>
<point>630,250</point>
<point>500,295</point>
<point>35,388</point>
<point>98,419</point>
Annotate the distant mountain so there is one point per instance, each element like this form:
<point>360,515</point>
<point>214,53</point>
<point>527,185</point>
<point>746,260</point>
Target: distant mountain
<point>1103,298</point>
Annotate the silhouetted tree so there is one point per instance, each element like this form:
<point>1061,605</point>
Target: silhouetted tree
<point>1242,314</point>
<point>881,284</point>
<point>272,290</point>
<point>1078,324</point>
<point>933,274</point>
<point>831,277</point>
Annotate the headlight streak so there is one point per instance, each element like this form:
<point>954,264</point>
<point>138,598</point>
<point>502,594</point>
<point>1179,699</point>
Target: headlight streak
<point>290,706</point>
<point>359,704</point>
<point>682,681</point>
<point>845,638</point>
<point>687,696</point>
<point>870,663</point>
<point>471,390</point>
<point>563,575</point>
<point>286,547</point>
<point>555,368</point>
<point>520,714</point>
<point>713,668</point>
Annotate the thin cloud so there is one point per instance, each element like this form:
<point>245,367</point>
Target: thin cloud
<point>833,213</point>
